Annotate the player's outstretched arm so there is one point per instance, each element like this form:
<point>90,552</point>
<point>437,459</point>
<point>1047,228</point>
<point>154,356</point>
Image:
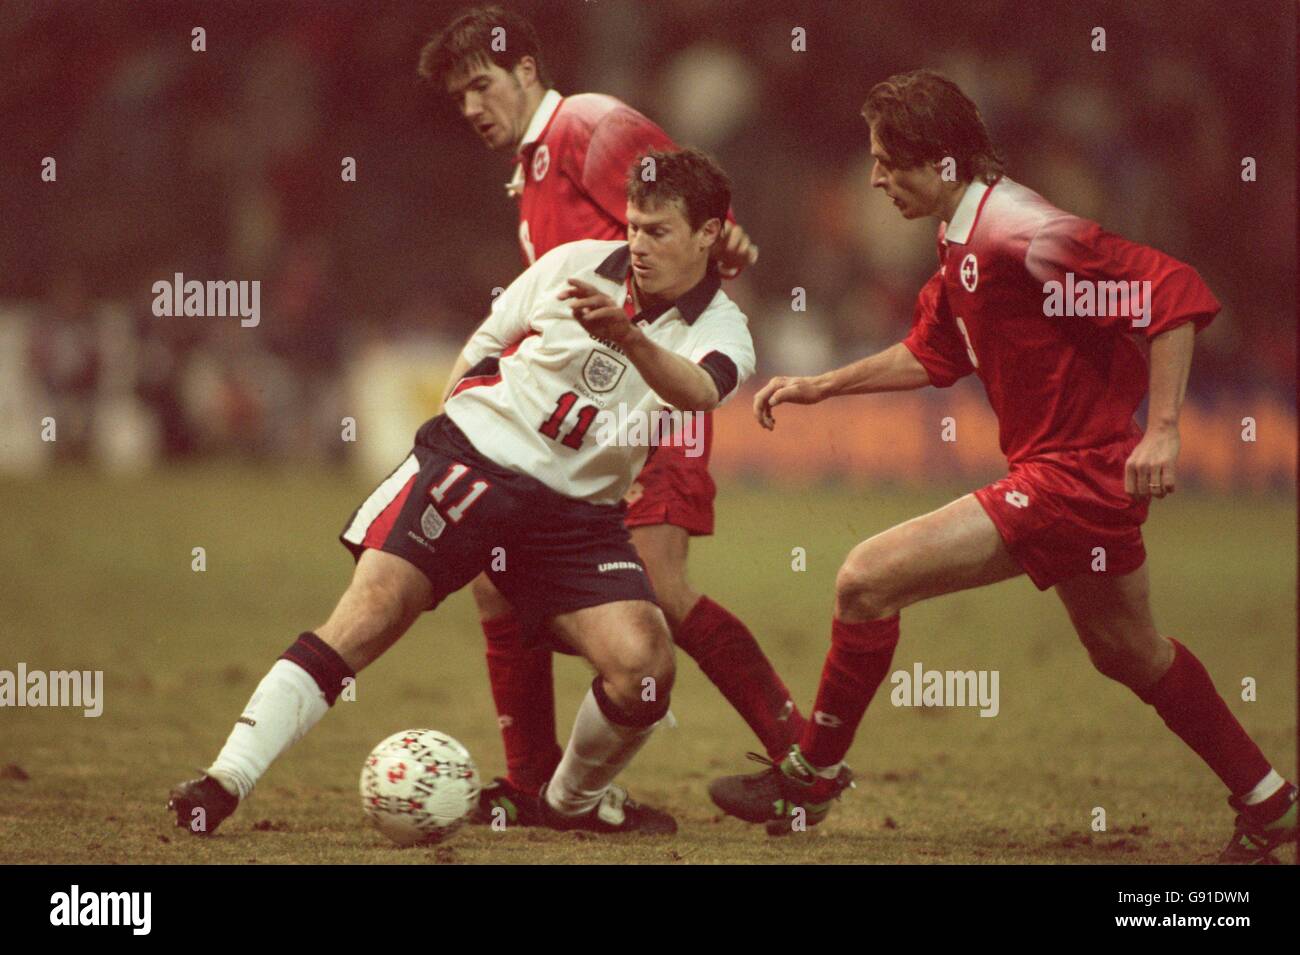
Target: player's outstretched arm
<point>894,369</point>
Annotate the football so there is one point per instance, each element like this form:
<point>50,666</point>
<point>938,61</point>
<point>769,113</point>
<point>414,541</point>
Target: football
<point>417,786</point>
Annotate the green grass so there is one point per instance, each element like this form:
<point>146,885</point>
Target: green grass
<point>97,575</point>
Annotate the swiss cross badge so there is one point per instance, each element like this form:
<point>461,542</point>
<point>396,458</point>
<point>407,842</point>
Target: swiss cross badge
<point>602,372</point>
<point>541,162</point>
<point>970,272</point>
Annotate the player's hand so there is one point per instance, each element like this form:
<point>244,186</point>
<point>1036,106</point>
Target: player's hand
<point>782,389</point>
<point>1149,471</point>
<point>734,250</point>
<point>599,313</point>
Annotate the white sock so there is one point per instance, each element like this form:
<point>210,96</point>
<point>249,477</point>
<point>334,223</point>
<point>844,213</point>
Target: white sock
<point>285,705</point>
<point>1264,788</point>
<point>597,752</point>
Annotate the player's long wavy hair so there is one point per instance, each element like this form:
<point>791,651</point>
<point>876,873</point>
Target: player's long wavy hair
<point>470,38</point>
<point>923,117</point>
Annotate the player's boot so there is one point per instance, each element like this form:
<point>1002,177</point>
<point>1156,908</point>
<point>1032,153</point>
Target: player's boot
<point>502,799</point>
<point>1253,842</point>
<point>614,813</point>
<point>774,795</point>
<point>207,795</point>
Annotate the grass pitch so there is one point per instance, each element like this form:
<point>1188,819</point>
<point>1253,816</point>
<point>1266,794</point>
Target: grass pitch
<point>96,574</point>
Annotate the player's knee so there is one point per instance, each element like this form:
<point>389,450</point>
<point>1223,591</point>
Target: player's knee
<point>641,677</point>
<point>1118,657</point>
<point>491,604</point>
<point>676,598</point>
<point>863,590</point>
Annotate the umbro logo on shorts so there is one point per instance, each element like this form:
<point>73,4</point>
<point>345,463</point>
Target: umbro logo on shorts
<point>419,540</point>
<point>619,565</point>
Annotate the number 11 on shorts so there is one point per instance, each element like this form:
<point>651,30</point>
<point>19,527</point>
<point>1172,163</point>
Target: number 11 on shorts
<point>439,491</point>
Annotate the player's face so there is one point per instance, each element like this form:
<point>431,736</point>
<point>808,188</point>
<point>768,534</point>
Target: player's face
<point>493,102</point>
<point>667,256</point>
<point>915,192</point>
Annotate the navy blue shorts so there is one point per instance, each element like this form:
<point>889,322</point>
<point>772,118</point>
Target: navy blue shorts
<point>453,513</point>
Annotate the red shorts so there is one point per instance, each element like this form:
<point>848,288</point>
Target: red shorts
<point>675,488</point>
<point>1067,514</point>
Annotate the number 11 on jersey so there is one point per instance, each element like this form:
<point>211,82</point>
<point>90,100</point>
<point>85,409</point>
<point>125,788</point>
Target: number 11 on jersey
<point>439,491</point>
<point>586,415</point>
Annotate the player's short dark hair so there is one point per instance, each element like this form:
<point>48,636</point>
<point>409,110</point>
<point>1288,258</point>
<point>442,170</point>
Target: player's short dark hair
<point>686,174</point>
<point>468,39</point>
<point>923,117</point>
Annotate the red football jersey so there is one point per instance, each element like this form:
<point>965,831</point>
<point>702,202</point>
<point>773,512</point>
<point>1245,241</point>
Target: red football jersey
<point>1044,307</point>
<point>573,165</point>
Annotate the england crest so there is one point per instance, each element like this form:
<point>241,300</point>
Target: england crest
<point>602,372</point>
<point>432,523</point>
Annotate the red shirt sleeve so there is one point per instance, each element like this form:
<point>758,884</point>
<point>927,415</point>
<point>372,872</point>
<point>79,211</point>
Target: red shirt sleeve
<point>934,338</point>
<point>1177,294</point>
<point>615,143</point>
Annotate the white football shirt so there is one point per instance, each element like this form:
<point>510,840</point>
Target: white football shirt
<point>544,397</point>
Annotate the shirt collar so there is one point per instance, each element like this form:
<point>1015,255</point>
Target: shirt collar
<point>968,211</point>
<point>537,125</point>
<point>691,303</point>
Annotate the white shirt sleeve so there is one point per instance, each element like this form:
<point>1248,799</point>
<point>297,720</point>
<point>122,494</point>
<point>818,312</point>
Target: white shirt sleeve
<point>725,332</point>
<point>513,309</point>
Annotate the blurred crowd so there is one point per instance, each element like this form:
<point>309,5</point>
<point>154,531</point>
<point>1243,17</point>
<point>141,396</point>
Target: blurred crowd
<point>225,164</point>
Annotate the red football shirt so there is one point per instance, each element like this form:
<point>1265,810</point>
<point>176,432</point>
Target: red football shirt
<point>1010,264</point>
<point>573,167</point>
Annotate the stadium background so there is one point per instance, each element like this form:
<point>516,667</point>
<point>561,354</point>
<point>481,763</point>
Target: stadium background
<point>225,164</point>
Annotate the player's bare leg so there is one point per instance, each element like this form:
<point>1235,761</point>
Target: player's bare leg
<point>1112,616</point>
<point>385,597</point>
<point>954,548</point>
<point>520,672</point>
<point>717,641</point>
<point>627,641</point>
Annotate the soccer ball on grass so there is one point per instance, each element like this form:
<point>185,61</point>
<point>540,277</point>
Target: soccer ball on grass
<point>418,786</point>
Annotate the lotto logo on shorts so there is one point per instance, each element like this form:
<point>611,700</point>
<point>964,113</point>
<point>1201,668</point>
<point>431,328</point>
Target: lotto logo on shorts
<point>1017,499</point>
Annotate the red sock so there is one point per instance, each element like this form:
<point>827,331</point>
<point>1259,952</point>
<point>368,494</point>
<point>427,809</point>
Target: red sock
<point>1189,704</point>
<point>730,656</point>
<point>524,694</point>
<point>857,663</point>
